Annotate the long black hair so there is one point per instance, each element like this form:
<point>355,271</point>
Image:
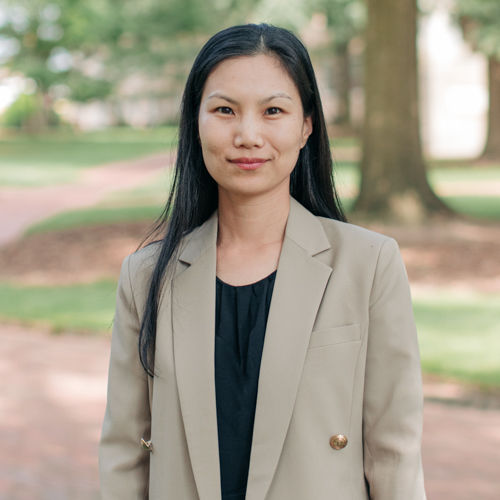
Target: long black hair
<point>193,196</point>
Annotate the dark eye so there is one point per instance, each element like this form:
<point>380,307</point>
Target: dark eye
<point>225,110</point>
<point>273,111</point>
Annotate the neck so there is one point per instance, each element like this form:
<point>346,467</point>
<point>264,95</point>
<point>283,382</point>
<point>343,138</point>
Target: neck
<point>252,221</point>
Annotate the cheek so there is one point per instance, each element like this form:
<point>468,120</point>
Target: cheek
<point>289,141</point>
<point>207,141</point>
<point>212,136</point>
<point>203,131</point>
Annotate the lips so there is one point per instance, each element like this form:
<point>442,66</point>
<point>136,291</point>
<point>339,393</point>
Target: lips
<point>248,163</point>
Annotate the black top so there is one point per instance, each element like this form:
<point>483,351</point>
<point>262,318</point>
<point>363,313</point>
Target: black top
<point>240,326</point>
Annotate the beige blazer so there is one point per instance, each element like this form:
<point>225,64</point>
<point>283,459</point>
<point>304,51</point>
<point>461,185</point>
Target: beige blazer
<point>340,361</point>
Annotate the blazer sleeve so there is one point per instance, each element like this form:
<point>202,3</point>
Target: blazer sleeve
<point>393,402</point>
<point>123,463</point>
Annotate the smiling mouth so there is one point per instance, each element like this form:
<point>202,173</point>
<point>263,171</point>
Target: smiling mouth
<point>248,163</point>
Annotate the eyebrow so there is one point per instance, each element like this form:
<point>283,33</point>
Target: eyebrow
<point>263,101</point>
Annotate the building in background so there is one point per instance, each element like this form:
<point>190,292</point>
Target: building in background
<point>453,88</point>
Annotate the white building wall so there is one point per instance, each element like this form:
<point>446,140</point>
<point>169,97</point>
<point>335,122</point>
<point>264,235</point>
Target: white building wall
<point>453,88</point>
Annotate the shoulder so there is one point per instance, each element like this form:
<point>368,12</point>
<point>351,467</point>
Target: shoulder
<point>135,275</point>
<point>143,260</point>
<point>345,234</point>
<point>139,265</point>
<point>359,251</point>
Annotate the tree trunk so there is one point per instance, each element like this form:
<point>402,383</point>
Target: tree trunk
<point>393,173</point>
<point>37,122</point>
<point>492,148</point>
<point>342,80</point>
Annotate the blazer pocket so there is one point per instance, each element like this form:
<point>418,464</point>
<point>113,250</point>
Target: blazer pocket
<point>336,335</point>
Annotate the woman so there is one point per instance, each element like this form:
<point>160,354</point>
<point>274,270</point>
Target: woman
<point>257,248</point>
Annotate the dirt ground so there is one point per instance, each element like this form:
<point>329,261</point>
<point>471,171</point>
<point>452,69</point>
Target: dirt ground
<point>456,254</point>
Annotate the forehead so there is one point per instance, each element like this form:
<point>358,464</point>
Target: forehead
<point>259,75</point>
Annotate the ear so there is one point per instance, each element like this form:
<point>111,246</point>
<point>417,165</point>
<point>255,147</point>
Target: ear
<point>307,129</point>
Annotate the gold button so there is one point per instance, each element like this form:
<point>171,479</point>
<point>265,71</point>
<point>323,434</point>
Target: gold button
<point>147,445</point>
<point>338,441</point>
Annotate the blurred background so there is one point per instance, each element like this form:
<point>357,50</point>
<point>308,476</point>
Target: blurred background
<point>89,103</point>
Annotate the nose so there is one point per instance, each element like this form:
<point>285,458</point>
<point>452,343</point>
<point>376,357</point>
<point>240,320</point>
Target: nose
<point>248,133</point>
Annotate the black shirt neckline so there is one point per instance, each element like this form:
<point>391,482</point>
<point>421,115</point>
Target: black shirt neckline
<point>249,284</point>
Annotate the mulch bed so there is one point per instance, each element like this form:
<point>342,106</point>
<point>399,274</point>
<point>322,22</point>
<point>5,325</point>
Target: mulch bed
<point>448,253</point>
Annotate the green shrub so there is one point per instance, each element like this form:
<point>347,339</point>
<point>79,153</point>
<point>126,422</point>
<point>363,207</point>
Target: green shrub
<point>27,112</point>
<point>20,111</point>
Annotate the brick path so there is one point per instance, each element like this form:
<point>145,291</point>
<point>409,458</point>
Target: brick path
<point>53,398</point>
<point>22,207</point>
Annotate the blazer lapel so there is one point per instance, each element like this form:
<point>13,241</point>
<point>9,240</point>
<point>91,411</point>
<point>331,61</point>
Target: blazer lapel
<point>193,313</point>
<point>300,283</point>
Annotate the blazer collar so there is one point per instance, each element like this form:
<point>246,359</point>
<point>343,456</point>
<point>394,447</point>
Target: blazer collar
<point>299,286</point>
<point>302,227</point>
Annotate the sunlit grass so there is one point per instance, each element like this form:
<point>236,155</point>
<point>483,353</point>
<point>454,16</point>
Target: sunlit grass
<point>81,308</point>
<point>96,216</point>
<point>345,142</point>
<point>346,174</point>
<point>460,335</point>
<point>58,157</point>
<point>437,174</point>
<point>482,207</point>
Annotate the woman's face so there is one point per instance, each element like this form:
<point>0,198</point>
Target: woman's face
<point>251,125</point>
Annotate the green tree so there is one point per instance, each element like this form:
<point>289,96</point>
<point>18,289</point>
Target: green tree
<point>480,22</point>
<point>393,171</point>
<point>150,33</point>
<point>50,42</point>
<point>86,49</point>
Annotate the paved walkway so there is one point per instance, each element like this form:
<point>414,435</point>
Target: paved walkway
<point>53,399</point>
<point>22,207</point>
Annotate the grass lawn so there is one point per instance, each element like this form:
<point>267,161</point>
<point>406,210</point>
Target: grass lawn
<point>57,157</point>
<point>97,216</point>
<point>482,207</point>
<point>81,308</point>
<point>458,335</point>
<point>437,173</point>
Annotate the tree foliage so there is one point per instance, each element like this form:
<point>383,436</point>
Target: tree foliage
<point>480,20</point>
<point>91,46</point>
<point>345,18</point>
<point>51,40</point>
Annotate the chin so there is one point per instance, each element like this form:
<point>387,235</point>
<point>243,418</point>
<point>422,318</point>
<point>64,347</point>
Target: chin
<point>250,189</point>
